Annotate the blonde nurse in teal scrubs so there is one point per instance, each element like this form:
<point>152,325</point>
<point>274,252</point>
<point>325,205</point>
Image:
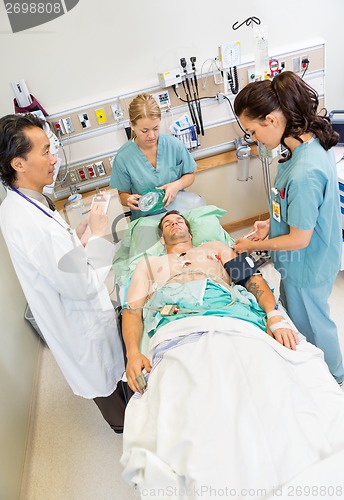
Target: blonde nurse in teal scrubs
<point>150,160</point>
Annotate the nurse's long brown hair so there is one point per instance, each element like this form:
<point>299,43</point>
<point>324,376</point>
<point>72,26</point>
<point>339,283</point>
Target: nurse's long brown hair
<point>298,102</point>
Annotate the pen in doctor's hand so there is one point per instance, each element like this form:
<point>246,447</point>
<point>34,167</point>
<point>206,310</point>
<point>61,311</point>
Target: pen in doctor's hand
<point>249,234</point>
<point>84,213</point>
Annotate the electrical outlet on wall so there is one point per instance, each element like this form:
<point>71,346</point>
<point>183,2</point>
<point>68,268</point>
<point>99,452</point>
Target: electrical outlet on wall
<point>101,116</point>
<point>59,128</point>
<point>251,77</point>
<point>99,167</point>
<point>84,120</point>
<point>68,125</point>
<point>117,111</point>
<point>296,64</point>
<point>73,176</point>
<point>91,172</point>
<point>82,173</point>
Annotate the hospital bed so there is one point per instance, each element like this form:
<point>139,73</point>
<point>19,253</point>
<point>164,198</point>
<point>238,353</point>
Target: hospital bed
<point>228,411</point>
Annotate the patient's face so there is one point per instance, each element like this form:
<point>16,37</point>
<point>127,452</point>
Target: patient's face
<point>174,228</point>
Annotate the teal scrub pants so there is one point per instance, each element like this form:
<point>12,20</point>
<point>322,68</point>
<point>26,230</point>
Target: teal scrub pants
<point>310,311</point>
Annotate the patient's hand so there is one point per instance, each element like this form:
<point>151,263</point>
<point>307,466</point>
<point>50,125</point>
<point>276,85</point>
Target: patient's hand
<point>285,336</point>
<point>136,363</point>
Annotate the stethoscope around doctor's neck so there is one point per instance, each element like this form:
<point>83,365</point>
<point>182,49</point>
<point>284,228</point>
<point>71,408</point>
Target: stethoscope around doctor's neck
<point>69,229</point>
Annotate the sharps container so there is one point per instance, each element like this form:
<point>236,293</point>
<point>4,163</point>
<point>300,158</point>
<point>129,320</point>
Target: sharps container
<point>243,154</point>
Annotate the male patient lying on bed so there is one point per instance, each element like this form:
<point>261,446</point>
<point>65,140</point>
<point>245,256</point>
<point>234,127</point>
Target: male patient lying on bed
<point>188,281</point>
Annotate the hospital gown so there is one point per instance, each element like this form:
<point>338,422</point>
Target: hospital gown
<point>201,297</point>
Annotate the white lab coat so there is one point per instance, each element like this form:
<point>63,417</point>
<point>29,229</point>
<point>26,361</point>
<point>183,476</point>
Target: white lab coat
<point>64,285</point>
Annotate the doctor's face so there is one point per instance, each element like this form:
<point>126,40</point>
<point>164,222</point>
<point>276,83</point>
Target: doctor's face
<point>37,169</point>
<point>147,132</point>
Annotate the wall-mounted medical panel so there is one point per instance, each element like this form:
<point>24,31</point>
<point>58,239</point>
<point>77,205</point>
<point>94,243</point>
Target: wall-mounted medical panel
<point>96,131</point>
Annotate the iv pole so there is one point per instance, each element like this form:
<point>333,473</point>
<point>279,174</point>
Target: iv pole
<point>264,155</point>
<point>266,175</point>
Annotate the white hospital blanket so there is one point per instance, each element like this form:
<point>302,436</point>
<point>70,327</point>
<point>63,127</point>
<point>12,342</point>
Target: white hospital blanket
<point>324,479</point>
<point>229,411</point>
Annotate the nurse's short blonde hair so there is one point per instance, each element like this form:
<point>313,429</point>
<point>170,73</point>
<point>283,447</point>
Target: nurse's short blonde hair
<point>143,106</point>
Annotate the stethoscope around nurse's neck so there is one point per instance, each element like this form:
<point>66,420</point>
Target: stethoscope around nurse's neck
<point>42,210</point>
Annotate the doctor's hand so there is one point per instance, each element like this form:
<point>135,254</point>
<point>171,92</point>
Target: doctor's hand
<point>285,336</point>
<point>171,189</point>
<point>135,364</point>
<point>97,220</point>
<point>81,228</point>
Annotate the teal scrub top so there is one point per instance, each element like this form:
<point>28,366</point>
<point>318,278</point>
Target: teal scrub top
<point>309,199</point>
<point>133,173</point>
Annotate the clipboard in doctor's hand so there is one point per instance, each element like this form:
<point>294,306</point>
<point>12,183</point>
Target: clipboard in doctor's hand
<point>103,199</point>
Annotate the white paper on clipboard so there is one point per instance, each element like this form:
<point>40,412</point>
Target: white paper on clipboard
<point>103,199</point>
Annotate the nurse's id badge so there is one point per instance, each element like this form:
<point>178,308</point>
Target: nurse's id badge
<point>276,211</point>
<point>276,207</point>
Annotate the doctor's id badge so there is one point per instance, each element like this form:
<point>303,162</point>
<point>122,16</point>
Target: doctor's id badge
<point>276,210</point>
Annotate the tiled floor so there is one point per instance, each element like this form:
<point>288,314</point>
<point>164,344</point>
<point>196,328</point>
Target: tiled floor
<point>73,454</point>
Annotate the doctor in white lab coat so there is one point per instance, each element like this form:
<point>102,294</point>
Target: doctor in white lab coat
<point>63,281</point>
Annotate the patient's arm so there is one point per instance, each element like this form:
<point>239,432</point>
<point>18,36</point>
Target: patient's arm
<point>132,325</point>
<point>265,298</point>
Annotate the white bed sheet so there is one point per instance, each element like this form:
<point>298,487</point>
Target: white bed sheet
<point>229,411</point>
<point>324,479</point>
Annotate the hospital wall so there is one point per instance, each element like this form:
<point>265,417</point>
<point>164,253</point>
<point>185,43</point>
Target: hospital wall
<point>106,48</point>
<point>19,356</point>
<point>94,53</point>
<point>103,49</point>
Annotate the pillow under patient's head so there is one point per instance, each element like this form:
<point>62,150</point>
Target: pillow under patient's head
<point>142,237</point>
<point>205,225</point>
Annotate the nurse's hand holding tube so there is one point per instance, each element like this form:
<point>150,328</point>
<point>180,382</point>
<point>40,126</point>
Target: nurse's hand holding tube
<point>261,228</point>
<point>244,245</point>
<point>259,232</point>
